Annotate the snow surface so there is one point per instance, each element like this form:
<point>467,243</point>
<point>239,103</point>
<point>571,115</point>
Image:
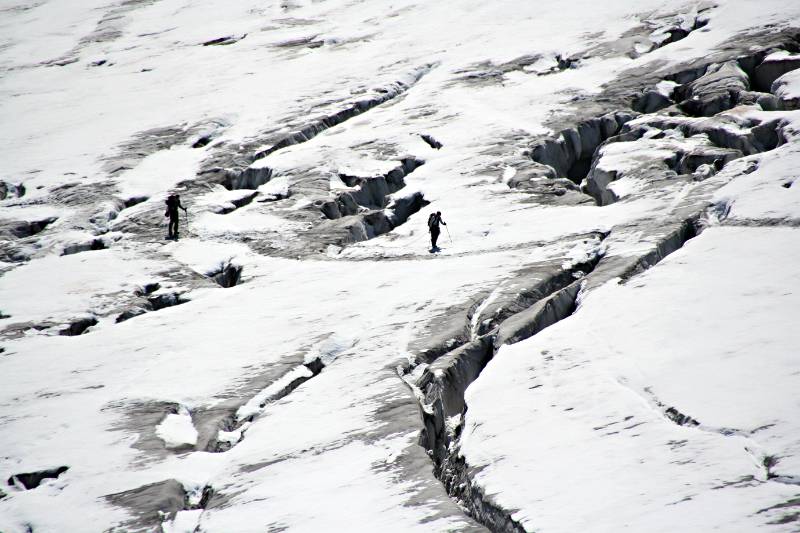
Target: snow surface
<point>103,103</point>
<point>705,332</point>
<point>57,287</point>
<point>177,429</point>
<point>788,86</point>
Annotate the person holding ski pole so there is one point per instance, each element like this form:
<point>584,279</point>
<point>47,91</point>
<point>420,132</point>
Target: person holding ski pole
<point>173,204</point>
<point>433,226</point>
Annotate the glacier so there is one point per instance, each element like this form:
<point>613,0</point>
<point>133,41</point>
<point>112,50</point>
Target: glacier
<point>605,341</point>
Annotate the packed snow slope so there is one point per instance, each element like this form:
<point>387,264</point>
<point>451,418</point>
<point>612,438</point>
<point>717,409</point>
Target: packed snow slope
<point>607,339</point>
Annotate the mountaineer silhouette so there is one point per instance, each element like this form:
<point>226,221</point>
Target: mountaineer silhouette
<point>433,226</point>
<point>173,204</point>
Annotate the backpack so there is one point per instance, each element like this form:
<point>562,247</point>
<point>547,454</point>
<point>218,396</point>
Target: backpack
<point>171,204</point>
<point>432,221</point>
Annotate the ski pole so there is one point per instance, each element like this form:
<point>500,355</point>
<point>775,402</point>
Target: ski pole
<point>448,234</point>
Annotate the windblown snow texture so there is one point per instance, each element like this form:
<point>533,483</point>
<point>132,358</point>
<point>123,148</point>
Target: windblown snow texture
<point>607,340</point>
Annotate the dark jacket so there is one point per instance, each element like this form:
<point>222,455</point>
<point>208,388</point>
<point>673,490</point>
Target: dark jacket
<point>433,222</point>
<point>173,204</point>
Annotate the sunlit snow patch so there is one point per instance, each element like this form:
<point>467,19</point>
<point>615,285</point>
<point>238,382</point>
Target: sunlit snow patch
<point>177,429</point>
<point>184,522</point>
<point>258,401</point>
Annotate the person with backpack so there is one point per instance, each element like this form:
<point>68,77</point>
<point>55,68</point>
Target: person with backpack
<point>173,204</point>
<point>433,226</point>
